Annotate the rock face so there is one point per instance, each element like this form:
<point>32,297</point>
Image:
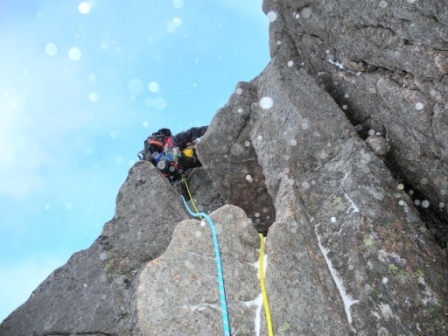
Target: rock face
<point>385,63</point>
<point>92,293</point>
<point>230,159</point>
<point>350,250</point>
<point>178,292</point>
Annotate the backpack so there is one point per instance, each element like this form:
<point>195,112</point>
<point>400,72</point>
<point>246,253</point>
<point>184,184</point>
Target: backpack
<point>160,150</point>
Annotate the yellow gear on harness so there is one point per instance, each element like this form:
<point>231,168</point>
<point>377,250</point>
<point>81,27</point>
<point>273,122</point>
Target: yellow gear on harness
<point>188,152</point>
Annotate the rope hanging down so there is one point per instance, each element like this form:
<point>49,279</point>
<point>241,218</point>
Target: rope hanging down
<point>263,287</point>
<point>184,179</point>
<point>222,293</point>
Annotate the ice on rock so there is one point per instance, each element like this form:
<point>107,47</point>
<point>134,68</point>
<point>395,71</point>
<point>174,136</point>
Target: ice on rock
<point>290,63</point>
<point>383,4</point>
<point>346,298</point>
<point>337,64</point>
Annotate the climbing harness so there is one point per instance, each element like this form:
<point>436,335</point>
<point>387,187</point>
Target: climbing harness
<point>263,287</point>
<point>222,293</point>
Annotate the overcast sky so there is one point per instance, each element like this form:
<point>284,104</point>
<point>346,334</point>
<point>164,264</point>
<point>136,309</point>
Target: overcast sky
<point>82,84</point>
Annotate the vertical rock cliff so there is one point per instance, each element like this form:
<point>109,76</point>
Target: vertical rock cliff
<point>337,152</point>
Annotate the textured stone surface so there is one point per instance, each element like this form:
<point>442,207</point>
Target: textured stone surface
<point>205,195</point>
<point>378,144</point>
<point>386,64</point>
<point>344,197</point>
<point>92,293</point>
<point>178,293</point>
<point>229,158</point>
<point>349,252</point>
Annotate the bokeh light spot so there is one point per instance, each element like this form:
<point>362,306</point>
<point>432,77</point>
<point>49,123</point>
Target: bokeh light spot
<point>272,16</point>
<point>93,96</point>
<point>84,7</point>
<point>74,54</point>
<point>159,103</point>
<point>177,22</point>
<point>419,106</point>
<point>153,87</point>
<point>266,103</point>
<point>51,49</point>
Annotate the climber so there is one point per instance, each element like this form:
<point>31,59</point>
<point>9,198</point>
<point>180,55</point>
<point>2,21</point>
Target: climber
<point>173,155</point>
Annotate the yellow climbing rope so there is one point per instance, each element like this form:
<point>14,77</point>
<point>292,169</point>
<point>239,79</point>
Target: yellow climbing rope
<point>263,287</point>
<point>189,194</point>
<point>260,268</point>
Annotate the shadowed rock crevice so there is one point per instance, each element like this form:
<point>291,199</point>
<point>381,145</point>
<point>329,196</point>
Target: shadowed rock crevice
<point>231,162</point>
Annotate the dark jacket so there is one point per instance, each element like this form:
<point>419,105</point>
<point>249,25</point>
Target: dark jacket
<point>182,139</point>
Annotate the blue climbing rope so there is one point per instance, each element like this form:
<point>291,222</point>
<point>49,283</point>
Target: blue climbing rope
<point>222,293</point>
